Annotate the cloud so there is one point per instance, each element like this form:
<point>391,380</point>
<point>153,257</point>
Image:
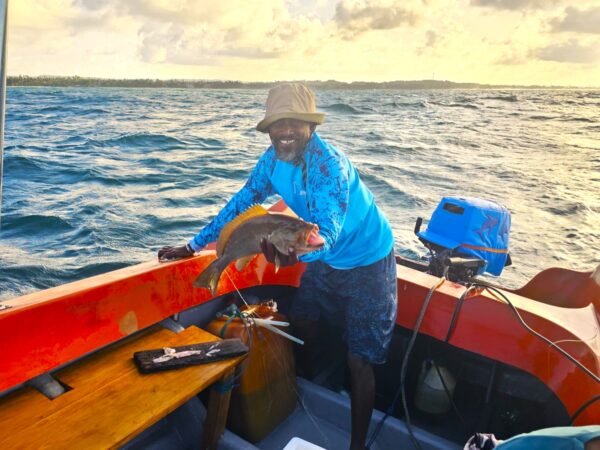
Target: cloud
<point>579,21</point>
<point>512,57</point>
<point>91,5</point>
<point>432,38</point>
<point>432,41</point>
<point>356,17</point>
<point>570,52</point>
<point>516,4</point>
<point>167,32</point>
<point>496,41</point>
<point>174,44</point>
<point>216,36</point>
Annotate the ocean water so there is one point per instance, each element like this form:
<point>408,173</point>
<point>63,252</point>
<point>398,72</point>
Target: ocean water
<point>99,179</point>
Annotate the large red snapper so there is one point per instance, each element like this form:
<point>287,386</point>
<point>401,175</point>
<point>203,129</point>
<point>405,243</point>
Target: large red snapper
<point>240,239</point>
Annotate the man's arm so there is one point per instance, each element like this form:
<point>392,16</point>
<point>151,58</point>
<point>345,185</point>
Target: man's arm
<point>328,191</point>
<point>257,188</point>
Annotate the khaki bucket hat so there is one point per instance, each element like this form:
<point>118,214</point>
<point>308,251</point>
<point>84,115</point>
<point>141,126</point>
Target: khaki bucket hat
<point>290,101</point>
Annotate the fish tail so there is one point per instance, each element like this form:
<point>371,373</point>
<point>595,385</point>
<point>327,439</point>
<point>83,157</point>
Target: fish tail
<point>209,277</point>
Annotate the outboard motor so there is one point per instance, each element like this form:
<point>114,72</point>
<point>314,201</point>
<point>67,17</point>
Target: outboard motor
<point>466,237</point>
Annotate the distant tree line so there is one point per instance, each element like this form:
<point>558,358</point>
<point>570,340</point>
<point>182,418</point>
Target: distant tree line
<point>75,81</point>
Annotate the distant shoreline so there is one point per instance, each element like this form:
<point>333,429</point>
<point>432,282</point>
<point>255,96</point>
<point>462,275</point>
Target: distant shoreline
<point>75,81</point>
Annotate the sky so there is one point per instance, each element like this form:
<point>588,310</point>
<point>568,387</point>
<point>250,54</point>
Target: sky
<point>525,42</point>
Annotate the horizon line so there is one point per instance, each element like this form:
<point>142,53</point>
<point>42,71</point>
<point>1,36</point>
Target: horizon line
<point>272,82</point>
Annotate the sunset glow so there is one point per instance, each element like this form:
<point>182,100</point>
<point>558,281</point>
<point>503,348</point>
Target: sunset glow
<point>548,42</point>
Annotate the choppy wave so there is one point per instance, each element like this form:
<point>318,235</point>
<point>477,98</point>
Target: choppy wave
<point>578,119</point>
<point>139,140</point>
<point>536,117</point>
<point>504,98</point>
<point>71,109</point>
<point>568,209</point>
<point>464,104</point>
<point>400,104</point>
<point>98,179</point>
<point>35,223</point>
<point>15,163</point>
<point>343,108</point>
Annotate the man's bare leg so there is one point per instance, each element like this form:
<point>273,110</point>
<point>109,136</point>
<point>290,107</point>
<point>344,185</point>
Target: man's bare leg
<point>362,399</point>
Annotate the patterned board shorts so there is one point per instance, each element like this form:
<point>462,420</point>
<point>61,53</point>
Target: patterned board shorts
<point>363,299</point>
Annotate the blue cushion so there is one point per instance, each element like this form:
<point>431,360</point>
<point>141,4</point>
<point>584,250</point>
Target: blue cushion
<point>559,438</point>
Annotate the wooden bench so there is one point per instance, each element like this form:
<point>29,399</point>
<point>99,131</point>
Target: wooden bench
<point>110,402</point>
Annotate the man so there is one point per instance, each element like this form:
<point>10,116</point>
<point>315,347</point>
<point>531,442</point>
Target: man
<point>354,273</point>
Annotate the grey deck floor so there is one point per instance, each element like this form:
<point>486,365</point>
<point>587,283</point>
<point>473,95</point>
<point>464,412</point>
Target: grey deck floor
<point>322,417</point>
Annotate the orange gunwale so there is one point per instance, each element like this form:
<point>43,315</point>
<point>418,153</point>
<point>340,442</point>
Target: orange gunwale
<point>48,329</point>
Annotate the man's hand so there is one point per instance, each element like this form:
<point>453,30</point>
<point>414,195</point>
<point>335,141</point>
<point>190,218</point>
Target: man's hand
<point>173,253</point>
<point>276,257</point>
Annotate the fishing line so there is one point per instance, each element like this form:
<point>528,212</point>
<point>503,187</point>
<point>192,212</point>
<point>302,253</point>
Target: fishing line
<point>245,317</point>
<point>310,416</point>
<point>279,358</point>
<point>280,362</point>
<point>540,336</point>
<point>294,387</point>
<point>571,341</point>
<point>582,408</point>
<point>457,308</point>
<point>401,390</point>
<point>248,341</point>
<point>496,293</point>
<point>448,394</point>
<point>237,290</point>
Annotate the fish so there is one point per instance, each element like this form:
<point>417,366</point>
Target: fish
<point>239,241</point>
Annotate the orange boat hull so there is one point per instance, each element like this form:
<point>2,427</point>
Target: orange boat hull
<point>47,329</point>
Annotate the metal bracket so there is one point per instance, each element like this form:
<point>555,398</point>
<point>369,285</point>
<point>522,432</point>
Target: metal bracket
<point>47,385</point>
<point>170,324</point>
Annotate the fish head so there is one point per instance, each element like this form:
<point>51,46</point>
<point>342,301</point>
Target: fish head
<point>297,234</point>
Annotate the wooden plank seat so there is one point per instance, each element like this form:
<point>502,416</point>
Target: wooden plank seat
<point>110,402</point>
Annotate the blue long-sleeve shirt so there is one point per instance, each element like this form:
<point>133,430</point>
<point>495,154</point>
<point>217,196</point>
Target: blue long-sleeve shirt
<point>331,195</point>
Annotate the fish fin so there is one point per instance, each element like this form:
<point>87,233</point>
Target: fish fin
<point>242,262</point>
<point>230,227</point>
<point>277,263</point>
<point>209,277</point>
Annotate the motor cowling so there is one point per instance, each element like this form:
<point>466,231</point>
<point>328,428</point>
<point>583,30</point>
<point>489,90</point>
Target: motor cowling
<point>467,236</point>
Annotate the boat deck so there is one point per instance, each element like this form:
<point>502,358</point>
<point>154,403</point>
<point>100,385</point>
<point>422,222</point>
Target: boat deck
<point>322,417</point>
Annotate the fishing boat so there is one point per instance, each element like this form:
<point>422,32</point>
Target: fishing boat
<point>466,356</point>
<point>478,358</point>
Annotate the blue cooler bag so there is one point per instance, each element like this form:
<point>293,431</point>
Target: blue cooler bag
<point>472,227</point>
